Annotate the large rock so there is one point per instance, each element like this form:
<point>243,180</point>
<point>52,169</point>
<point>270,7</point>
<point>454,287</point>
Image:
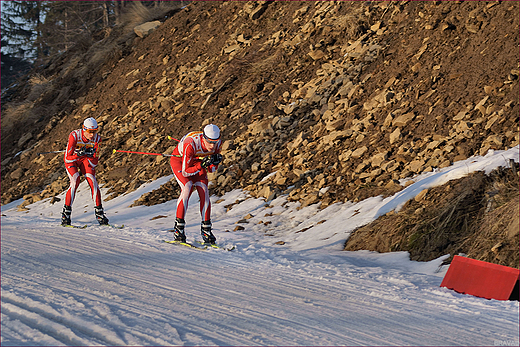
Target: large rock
<point>145,29</point>
<point>403,120</point>
<point>23,140</point>
<point>257,12</point>
<point>395,136</point>
<point>17,174</point>
<point>379,158</point>
<point>317,54</point>
<point>359,152</point>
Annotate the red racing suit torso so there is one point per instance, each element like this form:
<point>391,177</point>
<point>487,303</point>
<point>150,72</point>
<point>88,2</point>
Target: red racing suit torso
<point>77,142</point>
<point>190,149</point>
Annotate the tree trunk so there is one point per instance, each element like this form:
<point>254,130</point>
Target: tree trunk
<point>39,43</point>
<point>106,22</point>
<point>118,10</point>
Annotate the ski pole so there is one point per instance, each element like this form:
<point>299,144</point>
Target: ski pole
<point>171,138</point>
<point>164,155</point>
<point>51,152</point>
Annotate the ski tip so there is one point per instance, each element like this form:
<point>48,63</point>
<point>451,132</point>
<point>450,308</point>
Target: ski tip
<point>74,226</point>
<point>186,244</point>
<point>213,245</point>
<point>114,226</point>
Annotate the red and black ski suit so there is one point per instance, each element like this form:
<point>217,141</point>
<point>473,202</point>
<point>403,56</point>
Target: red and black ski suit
<point>77,164</point>
<point>187,168</point>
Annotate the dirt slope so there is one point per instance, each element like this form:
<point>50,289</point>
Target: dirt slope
<point>339,99</point>
<point>474,215</point>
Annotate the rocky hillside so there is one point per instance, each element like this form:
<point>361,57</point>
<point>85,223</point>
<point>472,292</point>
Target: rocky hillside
<point>321,101</point>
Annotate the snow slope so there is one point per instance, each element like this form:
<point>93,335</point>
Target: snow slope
<point>104,286</point>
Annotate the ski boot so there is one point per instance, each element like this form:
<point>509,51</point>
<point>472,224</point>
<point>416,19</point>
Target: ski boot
<point>65,215</point>
<point>205,230</point>
<point>178,231</point>
<point>100,215</point>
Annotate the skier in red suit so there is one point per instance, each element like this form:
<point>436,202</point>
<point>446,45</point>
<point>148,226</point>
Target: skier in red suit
<point>81,158</point>
<point>196,154</point>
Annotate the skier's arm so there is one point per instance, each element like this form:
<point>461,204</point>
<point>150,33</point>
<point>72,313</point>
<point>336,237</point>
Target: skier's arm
<point>190,164</point>
<point>215,159</point>
<point>70,155</point>
<point>92,151</point>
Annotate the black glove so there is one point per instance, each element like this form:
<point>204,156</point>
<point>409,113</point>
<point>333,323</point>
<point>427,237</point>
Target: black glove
<point>82,152</point>
<point>213,159</point>
<point>206,161</point>
<point>216,159</point>
<point>90,151</point>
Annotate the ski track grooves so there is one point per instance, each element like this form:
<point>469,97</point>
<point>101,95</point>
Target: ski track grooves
<point>52,323</point>
<point>122,287</point>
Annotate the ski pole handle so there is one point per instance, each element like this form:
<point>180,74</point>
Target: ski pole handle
<point>164,155</point>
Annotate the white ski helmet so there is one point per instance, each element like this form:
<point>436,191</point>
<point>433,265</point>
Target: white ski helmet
<point>211,132</point>
<point>90,124</point>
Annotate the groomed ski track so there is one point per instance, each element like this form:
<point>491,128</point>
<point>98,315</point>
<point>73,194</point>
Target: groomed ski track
<point>62,286</point>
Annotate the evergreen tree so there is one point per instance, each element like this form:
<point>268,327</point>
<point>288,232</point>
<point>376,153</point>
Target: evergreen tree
<point>33,31</point>
<point>13,68</point>
<point>20,20</point>
<point>19,29</point>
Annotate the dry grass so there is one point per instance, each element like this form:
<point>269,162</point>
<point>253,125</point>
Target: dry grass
<point>497,239</point>
<point>137,13</point>
<point>11,114</point>
<point>103,52</point>
<point>71,67</point>
<point>476,215</point>
<point>110,48</point>
<point>39,84</point>
<point>268,64</point>
<point>15,112</point>
<point>352,23</point>
<point>99,54</point>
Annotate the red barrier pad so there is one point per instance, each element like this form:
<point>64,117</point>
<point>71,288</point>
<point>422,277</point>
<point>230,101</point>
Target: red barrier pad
<point>482,279</point>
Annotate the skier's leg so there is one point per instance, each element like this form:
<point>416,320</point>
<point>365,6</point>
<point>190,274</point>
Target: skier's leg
<point>205,204</point>
<point>90,174</point>
<point>182,202</point>
<point>182,207</point>
<point>73,173</point>
<point>94,187</point>
<point>205,210</point>
<point>178,230</point>
<point>205,230</point>
<point>185,184</point>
